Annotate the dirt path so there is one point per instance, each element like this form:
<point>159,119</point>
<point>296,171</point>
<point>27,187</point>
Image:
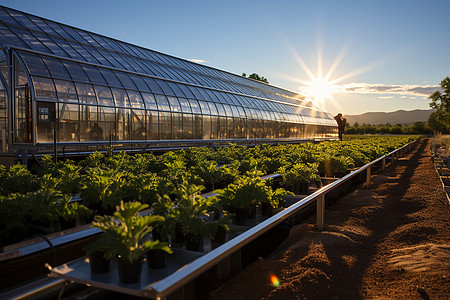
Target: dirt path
<point>391,241</point>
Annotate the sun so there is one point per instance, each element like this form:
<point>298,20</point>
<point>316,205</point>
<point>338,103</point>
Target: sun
<point>320,89</point>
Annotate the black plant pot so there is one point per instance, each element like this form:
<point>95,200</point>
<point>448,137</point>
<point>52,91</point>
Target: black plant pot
<point>193,242</point>
<point>157,258</point>
<point>220,235</point>
<point>266,209</point>
<point>252,212</point>
<point>129,272</point>
<point>98,263</point>
<point>179,236</point>
<point>241,213</point>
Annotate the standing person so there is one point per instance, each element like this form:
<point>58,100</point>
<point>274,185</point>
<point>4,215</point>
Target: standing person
<point>341,124</point>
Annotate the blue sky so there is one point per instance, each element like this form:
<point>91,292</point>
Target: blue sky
<point>385,55</point>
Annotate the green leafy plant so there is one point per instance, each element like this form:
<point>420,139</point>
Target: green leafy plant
<point>102,187</point>
<point>299,173</point>
<point>127,230</point>
<point>193,212</point>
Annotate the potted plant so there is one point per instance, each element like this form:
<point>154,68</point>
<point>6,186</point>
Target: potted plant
<point>244,195</point>
<point>194,214</point>
<point>97,251</point>
<point>126,237</point>
<point>298,176</point>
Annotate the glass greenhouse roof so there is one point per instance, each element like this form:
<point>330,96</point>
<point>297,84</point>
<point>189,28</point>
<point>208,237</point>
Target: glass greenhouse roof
<point>74,65</point>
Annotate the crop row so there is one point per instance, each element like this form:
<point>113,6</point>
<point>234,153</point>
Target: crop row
<point>40,201</point>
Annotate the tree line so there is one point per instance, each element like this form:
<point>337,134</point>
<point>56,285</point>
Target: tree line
<point>416,128</point>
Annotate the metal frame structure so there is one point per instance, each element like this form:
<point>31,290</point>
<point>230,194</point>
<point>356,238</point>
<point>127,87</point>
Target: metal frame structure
<point>61,86</point>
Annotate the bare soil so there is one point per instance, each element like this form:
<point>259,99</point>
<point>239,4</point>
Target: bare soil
<point>390,241</point>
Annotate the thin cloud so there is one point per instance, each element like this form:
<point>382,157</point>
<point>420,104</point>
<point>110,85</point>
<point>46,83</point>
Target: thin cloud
<point>386,97</point>
<point>386,89</point>
<point>199,61</point>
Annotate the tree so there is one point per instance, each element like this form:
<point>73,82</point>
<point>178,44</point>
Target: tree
<point>256,77</point>
<point>440,119</point>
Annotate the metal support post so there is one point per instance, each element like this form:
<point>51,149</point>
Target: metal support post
<point>320,207</point>
<point>224,269</point>
<point>3,140</point>
<point>368,176</point>
<point>235,262</point>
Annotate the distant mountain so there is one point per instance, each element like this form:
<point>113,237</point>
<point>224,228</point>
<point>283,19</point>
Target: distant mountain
<point>397,117</point>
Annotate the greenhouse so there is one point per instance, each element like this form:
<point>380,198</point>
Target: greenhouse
<point>68,90</point>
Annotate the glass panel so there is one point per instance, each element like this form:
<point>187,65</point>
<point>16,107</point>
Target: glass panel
<point>66,91</point>
<point>162,102</point>
<point>141,85</point>
<point>84,53</point>
<point>195,106</point>
<point>88,116</point>
<point>167,90</point>
<point>69,49</point>
<point>44,88</point>
<point>104,95</point>
<point>152,125</point>
<point>135,99</point>
<point>94,75</point>
<point>188,132</point>
<point>110,77</point>
<point>5,17</point>
<point>177,126</point>
<point>197,127</point>
<point>228,110</point>
<point>69,123</point>
<point>196,93</point>
<point>31,41</point>
<point>186,91</point>
<point>86,93</point>
<point>176,89</point>
<point>46,116</point>
<point>22,106</point>
<point>184,104</point>
<point>107,121</point>
<point>54,48</point>
<point>126,80</point>
<point>7,35</point>
<point>138,124</point>
<point>165,125</point>
<point>110,58</point>
<point>206,128</point>
<point>153,85</point>
<point>174,104</point>
<point>59,30</point>
<point>204,107</point>
<point>221,109</point>
<point>121,98</point>
<point>212,108</point>
<point>56,68</point>
<point>76,71</point>
<point>35,64</point>
<point>123,124</point>
<point>150,101</point>
<point>74,33</point>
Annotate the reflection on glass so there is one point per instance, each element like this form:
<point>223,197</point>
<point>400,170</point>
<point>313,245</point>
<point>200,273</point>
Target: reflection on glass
<point>66,91</point>
<point>69,123</point>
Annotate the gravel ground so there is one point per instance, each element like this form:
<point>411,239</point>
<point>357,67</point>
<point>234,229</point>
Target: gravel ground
<point>390,241</point>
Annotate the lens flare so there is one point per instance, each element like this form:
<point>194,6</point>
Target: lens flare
<point>274,280</point>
